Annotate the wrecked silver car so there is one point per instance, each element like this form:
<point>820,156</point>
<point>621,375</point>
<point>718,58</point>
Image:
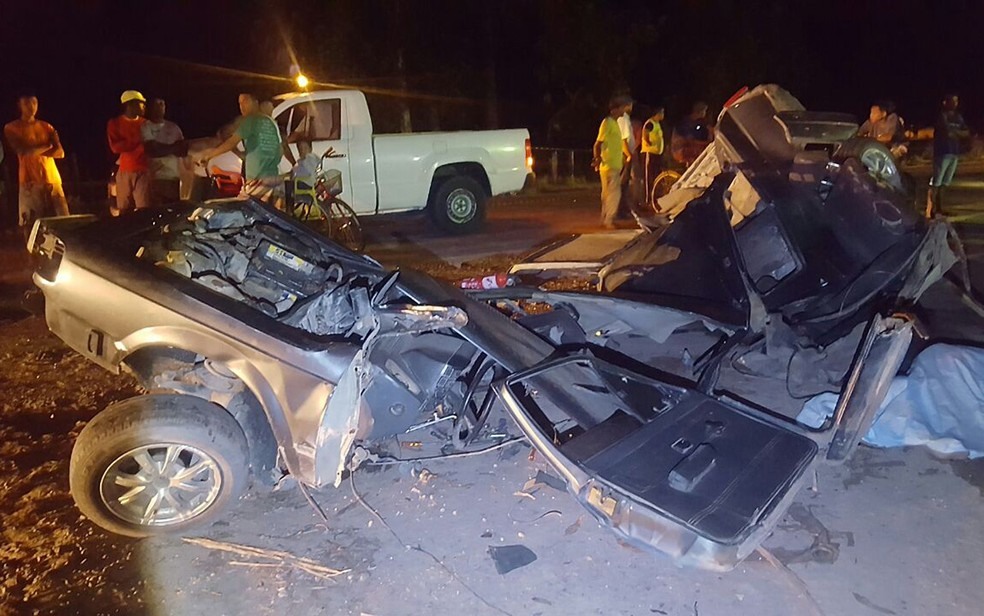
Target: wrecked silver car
<point>666,400</point>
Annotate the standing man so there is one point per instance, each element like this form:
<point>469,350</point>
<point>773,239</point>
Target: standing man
<point>260,137</point>
<point>949,132</point>
<point>37,146</point>
<point>652,150</point>
<point>164,143</point>
<point>610,153</point>
<point>630,171</point>
<point>124,133</point>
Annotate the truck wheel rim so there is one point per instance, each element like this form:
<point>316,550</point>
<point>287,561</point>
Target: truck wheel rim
<point>160,484</point>
<point>461,206</point>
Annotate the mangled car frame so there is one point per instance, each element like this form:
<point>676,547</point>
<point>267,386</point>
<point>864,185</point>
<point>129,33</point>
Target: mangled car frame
<point>666,400</point>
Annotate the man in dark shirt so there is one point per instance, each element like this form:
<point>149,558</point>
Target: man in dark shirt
<point>950,130</point>
<point>881,125</point>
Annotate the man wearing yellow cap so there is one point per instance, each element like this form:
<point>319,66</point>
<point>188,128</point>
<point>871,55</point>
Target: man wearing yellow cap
<point>125,140</point>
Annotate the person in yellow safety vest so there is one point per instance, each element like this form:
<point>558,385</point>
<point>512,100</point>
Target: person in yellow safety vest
<point>652,149</point>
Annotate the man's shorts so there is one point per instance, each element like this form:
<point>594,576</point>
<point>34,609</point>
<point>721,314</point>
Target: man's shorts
<point>267,190</point>
<point>132,191</point>
<point>39,200</point>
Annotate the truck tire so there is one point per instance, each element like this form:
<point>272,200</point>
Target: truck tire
<point>458,205</point>
<point>158,464</point>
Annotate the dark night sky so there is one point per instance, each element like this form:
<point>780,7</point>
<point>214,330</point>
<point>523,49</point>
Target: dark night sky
<point>555,63</point>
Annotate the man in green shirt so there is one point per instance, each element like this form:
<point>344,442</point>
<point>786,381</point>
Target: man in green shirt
<point>610,154</point>
<point>261,139</point>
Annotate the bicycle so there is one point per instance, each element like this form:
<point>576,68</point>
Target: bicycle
<point>661,187</point>
<point>321,208</point>
<point>681,160</point>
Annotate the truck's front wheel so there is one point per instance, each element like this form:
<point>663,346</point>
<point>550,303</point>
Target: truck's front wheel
<point>458,205</point>
<point>158,464</point>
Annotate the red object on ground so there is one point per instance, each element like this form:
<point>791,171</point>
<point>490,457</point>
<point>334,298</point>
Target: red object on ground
<point>494,281</point>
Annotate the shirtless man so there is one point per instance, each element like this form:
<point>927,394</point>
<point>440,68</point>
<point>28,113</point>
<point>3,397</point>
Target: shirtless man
<point>37,146</point>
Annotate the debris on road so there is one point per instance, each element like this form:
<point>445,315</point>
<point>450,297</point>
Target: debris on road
<point>544,479</point>
<point>865,601</point>
<point>494,281</point>
<point>510,557</point>
<point>823,549</point>
<point>574,527</point>
<point>277,558</point>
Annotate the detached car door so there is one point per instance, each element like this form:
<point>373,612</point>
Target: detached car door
<point>668,467</point>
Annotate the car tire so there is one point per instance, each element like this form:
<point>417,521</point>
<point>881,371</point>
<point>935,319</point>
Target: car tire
<point>873,156</point>
<point>458,205</point>
<point>158,464</point>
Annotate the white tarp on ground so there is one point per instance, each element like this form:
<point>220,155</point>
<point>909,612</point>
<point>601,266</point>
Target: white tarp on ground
<point>940,404</point>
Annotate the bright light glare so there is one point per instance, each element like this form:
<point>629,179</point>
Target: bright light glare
<point>302,81</point>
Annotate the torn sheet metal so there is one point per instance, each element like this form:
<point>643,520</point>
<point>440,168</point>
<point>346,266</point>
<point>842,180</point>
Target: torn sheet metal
<point>934,259</point>
<point>940,404</point>
<point>885,345</point>
<point>342,423</point>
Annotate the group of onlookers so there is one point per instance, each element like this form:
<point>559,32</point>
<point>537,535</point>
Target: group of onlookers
<point>950,132</point>
<point>153,158</point>
<point>627,152</point>
<point>149,147</point>
<point>152,150</point>
<point>621,153</point>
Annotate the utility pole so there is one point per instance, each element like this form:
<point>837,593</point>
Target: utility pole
<point>491,92</point>
<point>406,125</point>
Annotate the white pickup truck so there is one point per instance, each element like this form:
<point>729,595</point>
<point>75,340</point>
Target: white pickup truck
<point>452,174</point>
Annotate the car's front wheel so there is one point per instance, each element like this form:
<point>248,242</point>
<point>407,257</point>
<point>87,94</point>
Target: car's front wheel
<point>158,464</point>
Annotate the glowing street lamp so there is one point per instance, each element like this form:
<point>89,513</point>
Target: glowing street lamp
<point>302,81</point>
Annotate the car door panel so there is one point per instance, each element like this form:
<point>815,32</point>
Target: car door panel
<point>701,478</point>
<point>669,468</point>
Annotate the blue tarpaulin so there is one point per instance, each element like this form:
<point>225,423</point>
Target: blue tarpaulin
<point>940,404</point>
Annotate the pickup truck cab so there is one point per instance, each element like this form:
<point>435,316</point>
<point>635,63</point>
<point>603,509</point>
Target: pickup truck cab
<point>451,174</point>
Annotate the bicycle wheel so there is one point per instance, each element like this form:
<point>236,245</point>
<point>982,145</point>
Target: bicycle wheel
<point>343,225</point>
<point>661,186</point>
<point>311,215</point>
